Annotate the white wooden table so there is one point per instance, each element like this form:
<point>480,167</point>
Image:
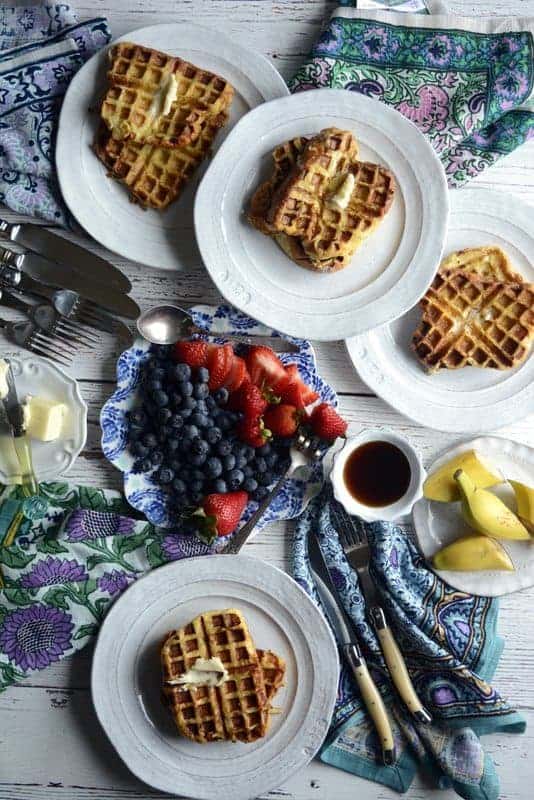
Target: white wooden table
<point>51,746</point>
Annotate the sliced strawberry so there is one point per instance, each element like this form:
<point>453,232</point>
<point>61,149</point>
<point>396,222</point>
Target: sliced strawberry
<point>252,431</point>
<point>237,376</point>
<point>222,514</point>
<point>282,420</point>
<point>219,364</point>
<point>248,399</point>
<point>194,353</point>
<point>297,393</point>
<point>326,422</point>
<point>265,369</point>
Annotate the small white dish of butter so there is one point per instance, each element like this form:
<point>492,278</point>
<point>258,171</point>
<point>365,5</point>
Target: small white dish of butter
<point>55,417</point>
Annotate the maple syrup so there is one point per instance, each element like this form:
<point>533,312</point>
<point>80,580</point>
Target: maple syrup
<point>377,474</point>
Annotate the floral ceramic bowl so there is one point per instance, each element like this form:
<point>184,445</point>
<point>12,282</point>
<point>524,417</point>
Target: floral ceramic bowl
<point>141,491</point>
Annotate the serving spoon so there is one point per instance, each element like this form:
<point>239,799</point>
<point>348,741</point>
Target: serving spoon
<point>166,324</point>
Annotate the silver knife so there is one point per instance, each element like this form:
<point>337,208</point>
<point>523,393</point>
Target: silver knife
<point>347,639</point>
<point>43,241</point>
<point>106,297</point>
<point>15,416</point>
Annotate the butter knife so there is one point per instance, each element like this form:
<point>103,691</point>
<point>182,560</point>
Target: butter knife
<point>347,639</point>
<point>56,248</point>
<point>15,417</point>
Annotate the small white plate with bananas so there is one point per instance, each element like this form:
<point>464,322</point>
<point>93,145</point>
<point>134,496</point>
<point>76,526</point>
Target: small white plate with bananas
<point>475,524</point>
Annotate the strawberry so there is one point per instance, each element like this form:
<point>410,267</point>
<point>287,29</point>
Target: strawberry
<point>194,353</point>
<point>297,393</point>
<point>252,431</point>
<point>282,420</point>
<point>265,369</point>
<point>237,376</point>
<point>249,400</point>
<point>222,514</point>
<point>219,364</point>
<point>326,422</point>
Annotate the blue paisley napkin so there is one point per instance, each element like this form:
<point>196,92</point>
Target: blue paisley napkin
<point>467,84</point>
<point>41,47</point>
<point>451,647</point>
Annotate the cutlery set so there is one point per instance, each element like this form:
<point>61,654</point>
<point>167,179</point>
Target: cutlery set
<point>82,290</point>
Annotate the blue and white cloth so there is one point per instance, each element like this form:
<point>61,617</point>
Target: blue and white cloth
<point>450,643</point>
<point>41,47</point>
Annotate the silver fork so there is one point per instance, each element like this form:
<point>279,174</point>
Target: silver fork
<point>353,540</point>
<point>48,319</point>
<point>303,452</point>
<point>28,335</point>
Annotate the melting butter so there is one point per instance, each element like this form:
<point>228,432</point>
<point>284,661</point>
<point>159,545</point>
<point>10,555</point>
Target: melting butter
<point>164,98</point>
<point>342,195</point>
<point>43,419</point>
<point>4,369</point>
<point>204,672</point>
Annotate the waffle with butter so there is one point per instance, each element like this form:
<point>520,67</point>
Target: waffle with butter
<point>489,262</point>
<point>238,709</point>
<point>157,99</point>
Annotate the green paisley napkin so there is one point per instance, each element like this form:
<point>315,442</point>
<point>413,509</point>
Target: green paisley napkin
<point>468,84</point>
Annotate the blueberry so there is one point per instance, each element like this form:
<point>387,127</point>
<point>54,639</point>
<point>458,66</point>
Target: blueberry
<point>185,388</point>
<point>138,416</point>
<point>213,467</point>
<point>220,486</point>
<point>164,415</point>
<point>196,486</point>
<point>213,435</point>
<point>241,462</point>
<point>266,478</point>
<point>224,447</point>
<point>197,498</point>
<point>185,444</point>
<point>177,421</point>
<point>135,432</point>
<point>150,440</point>
<point>202,407</point>
<point>199,420</point>
<point>261,493</point>
<point>181,372</point>
<point>210,403</point>
<point>157,458</point>
<point>189,402</point>
<point>197,475</point>
<point>200,391</point>
<point>175,464</point>
<point>154,385</point>
<point>248,472</point>
<point>224,422</point>
<point>156,371</point>
<point>164,475</point>
<point>249,453</point>
<point>210,423</point>
<point>161,351</point>
<point>179,486</point>
<point>139,449</point>
<point>221,396</point>
<point>191,431</point>
<point>271,459</point>
<point>161,398</point>
<point>171,445</point>
<point>203,375</point>
<point>163,434</point>
<point>234,479</point>
<point>199,446</point>
<point>198,459</point>
<point>228,462</point>
<point>260,465</point>
<point>264,450</point>
<point>142,465</point>
<point>185,413</point>
<point>250,485</point>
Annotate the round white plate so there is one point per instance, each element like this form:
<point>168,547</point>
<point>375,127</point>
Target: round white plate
<point>126,677</point>
<point>438,524</point>
<point>466,400</point>
<point>162,239</point>
<point>387,275</point>
<point>38,377</point>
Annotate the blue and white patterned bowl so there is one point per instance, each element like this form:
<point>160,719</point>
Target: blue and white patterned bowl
<point>141,492</point>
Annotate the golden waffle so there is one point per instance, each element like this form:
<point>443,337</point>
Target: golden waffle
<point>297,203</point>
<point>284,160</point>
<point>157,99</point>
<point>155,176</point>
<point>238,709</point>
<point>470,321</point>
<point>489,262</point>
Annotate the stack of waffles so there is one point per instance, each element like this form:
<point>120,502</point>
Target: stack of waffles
<point>321,202</point>
<point>478,312</point>
<point>240,708</point>
<point>159,118</point>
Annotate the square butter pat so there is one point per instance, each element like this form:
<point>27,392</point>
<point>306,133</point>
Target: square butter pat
<point>44,418</point>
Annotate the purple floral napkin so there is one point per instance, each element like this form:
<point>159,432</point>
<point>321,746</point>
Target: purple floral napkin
<point>468,84</point>
<point>41,47</point>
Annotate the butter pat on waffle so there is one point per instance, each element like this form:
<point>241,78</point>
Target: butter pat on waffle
<point>472,321</point>
<point>154,98</point>
<point>238,708</point>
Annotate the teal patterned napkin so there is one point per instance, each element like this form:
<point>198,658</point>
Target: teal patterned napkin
<point>450,642</point>
<point>468,84</point>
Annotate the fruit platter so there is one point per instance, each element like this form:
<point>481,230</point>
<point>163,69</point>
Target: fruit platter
<point>203,429</point>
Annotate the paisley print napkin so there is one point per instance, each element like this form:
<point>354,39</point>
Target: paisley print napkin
<point>452,649</point>
<point>467,84</point>
<point>41,48</point>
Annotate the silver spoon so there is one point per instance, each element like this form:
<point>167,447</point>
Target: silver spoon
<point>167,324</point>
